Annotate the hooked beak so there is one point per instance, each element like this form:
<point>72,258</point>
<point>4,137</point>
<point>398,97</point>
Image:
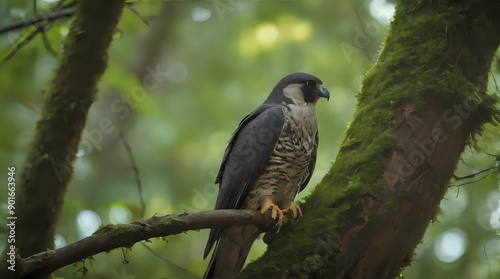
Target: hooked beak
<point>323,92</point>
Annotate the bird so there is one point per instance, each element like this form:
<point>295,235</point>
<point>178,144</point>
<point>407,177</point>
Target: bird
<point>270,158</point>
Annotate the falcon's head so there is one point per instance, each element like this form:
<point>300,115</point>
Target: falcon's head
<point>298,88</point>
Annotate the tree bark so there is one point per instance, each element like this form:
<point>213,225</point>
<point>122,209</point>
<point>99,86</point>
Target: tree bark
<point>48,167</point>
<point>114,236</point>
<point>420,105</point>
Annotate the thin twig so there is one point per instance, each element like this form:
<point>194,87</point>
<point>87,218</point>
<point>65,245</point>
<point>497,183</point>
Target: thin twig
<point>487,260</point>
<point>131,7</point>
<point>136,172</point>
<point>45,40</point>
<point>472,175</point>
<point>165,259</point>
<point>41,28</point>
<point>19,46</point>
<point>162,257</point>
<point>470,182</point>
<point>46,43</point>
<point>67,11</point>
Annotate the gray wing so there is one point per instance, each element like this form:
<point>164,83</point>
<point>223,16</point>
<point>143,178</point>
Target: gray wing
<point>312,164</point>
<point>246,157</point>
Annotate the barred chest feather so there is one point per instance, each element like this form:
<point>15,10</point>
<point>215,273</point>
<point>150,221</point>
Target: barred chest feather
<point>288,166</point>
<point>301,125</point>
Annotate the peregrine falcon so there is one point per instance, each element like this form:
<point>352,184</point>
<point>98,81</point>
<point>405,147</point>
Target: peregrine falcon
<point>269,159</point>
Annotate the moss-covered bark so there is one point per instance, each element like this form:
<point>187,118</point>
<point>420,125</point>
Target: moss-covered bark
<point>48,166</point>
<point>111,237</point>
<point>419,105</point>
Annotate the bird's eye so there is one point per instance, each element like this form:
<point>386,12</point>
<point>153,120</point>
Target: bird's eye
<point>311,83</point>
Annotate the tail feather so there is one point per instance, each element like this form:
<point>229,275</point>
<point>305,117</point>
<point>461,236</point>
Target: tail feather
<point>231,252</point>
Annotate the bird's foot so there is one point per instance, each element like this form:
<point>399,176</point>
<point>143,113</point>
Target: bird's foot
<point>296,212</point>
<point>276,212</point>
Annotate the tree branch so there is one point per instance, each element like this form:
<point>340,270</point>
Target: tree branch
<point>57,13</point>
<point>115,236</point>
<point>135,169</point>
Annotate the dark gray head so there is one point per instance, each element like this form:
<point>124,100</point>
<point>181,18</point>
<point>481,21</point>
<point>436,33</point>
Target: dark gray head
<point>298,88</point>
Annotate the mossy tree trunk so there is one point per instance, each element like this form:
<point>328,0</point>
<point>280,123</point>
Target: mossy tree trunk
<point>420,104</point>
<point>48,167</point>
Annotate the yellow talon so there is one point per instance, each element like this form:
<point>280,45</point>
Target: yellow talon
<point>296,212</point>
<point>276,212</point>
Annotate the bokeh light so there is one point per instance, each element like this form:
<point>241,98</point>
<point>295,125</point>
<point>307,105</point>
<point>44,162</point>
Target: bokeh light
<point>119,214</point>
<point>488,215</point>
<point>267,34</point>
<point>59,241</point>
<point>454,203</point>
<point>88,222</point>
<point>450,245</point>
<point>200,14</point>
<point>382,10</point>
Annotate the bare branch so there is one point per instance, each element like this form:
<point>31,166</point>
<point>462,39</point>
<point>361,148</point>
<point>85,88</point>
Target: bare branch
<point>131,7</point>
<point>45,40</point>
<point>64,12</point>
<point>24,42</point>
<point>114,236</point>
<point>164,258</point>
<point>42,22</point>
<point>136,172</point>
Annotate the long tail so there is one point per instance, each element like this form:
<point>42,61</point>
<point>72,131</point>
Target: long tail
<point>231,252</point>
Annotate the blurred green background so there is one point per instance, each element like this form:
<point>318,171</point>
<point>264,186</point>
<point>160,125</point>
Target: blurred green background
<point>178,88</point>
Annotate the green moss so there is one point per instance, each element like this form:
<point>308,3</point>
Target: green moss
<point>112,230</point>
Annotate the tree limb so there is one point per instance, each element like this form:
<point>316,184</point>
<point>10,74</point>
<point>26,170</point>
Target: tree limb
<point>114,236</point>
<point>60,12</point>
